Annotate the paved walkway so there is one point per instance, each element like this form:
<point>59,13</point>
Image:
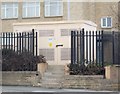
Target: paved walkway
<point>53,91</point>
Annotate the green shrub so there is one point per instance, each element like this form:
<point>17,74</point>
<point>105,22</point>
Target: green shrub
<point>82,69</point>
<point>25,61</point>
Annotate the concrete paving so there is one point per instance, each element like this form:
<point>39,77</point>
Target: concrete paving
<point>34,90</point>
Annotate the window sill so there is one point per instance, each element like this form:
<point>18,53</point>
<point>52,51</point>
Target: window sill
<point>106,27</point>
<point>30,17</point>
<point>53,16</point>
<point>9,18</point>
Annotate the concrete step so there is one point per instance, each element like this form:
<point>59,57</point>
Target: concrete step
<point>53,77</point>
<point>52,85</point>
<point>55,67</point>
<point>54,73</point>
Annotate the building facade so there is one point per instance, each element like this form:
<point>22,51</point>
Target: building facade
<point>53,19</point>
<point>104,14</point>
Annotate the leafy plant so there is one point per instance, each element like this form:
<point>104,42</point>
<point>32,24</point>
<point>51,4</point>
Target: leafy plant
<point>25,61</point>
<point>89,69</point>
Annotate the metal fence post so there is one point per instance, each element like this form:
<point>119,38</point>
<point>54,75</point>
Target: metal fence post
<point>102,48</point>
<point>9,40</point>
<point>6,40</point>
<point>93,46</point>
<point>83,46</point>
<point>28,41</point>
<point>87,46</point>
<point>113,47</point>
<point>90,46</point>
<point>17,42</point>
<point>74,37</point>
<point>3,40</point>
<point>77,47</point>
<point>25,41</point>
<point>96,50</point>
<point>14,42</point>
<point>22,41</point>
<point>36,44</point>
<point>33,40</point>
<point>71,47</point>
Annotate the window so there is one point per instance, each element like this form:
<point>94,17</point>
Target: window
<point>31,9</point>
<point>9,10</point>
<point>53,8</point>
<point>106,22</point>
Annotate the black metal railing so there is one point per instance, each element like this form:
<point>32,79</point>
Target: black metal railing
<point>20,41</point>
<point>87,46</point>
<point>95,49</point>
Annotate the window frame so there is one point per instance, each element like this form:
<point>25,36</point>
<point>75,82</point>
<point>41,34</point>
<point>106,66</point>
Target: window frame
<point>27,6</point>
<point>106,22</point>
<point>14,8</point>
<point>48,5</point>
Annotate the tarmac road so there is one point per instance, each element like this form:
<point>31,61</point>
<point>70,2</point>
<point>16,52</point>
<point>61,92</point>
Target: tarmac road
<point>38,90</point>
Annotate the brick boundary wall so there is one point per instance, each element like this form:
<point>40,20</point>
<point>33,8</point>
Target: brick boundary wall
<point>21,78</point>
<point>95,82</point>
<point>70,81</point>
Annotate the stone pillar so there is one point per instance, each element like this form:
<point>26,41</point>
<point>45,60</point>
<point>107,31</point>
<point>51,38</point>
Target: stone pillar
<point>42,67</point>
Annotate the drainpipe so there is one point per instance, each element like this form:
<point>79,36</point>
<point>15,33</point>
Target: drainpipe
<point>68,8</point>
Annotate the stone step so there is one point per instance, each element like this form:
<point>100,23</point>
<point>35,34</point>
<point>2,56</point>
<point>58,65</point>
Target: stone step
<point>53,77</point>
<point>71,77</point>
<point>55,67</point>
<point>60,71</point>
<point>54,73</point>
<point>51,82</point>
<point>52,85</point>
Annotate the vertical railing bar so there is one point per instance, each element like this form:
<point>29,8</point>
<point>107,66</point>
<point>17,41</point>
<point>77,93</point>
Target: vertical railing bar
<point>83,45</point>
<point>14,41</point>
<point>22,41</point>
<point>25,41</point>
<point>102,52</point>
<point>74,47</point>
<point>80,47</point>
<point>113,54</point>
<point>6,40</point>
<point>93,46</point>
<point>77,47</point>
<point>90,46</point>
<point>17,42</point>
<point>9,40</point>
<point>36,44</point>
<point>3,40</point>
<point>33,40</point>
<point>99,48</point>
<point>87,46</point>
<point>96,50</point>
<point>71,47</point>
<point>102,48</point>
<point>28,42</point>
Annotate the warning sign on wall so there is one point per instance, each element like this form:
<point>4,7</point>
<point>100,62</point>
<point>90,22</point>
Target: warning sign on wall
<point>50,42</point>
